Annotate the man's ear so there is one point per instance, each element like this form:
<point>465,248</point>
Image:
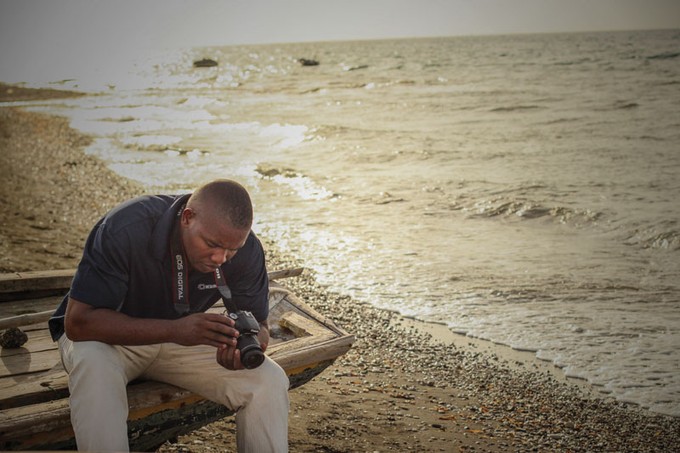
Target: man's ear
<point>187,215</point>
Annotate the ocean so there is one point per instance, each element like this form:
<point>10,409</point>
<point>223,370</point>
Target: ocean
<point>520,189</point>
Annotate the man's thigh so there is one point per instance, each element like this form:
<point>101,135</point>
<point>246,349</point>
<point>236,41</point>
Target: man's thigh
<point>195,368</point>
<point>131,360</point>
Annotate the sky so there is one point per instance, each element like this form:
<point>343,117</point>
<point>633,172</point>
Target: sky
<point>35,34</point>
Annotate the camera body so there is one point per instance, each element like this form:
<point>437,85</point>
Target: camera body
<point>247,343</point>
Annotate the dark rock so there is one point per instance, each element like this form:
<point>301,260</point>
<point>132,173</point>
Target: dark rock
<point>307,62</point>
<point>13,338</point>
<point>205,63</point>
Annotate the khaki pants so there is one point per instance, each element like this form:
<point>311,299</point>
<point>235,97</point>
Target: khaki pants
<point>99,374</point>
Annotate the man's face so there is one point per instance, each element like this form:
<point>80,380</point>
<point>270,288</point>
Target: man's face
<point>208,243</point>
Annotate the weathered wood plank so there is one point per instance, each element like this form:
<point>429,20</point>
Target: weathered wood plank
<point>21,364</point>
<point>302,326</point>
<point>43,424</point>
<point>46,386</point>
<point>33,305</point>
<point>293,361</point>
<point>36,280</point>
<point>50,421</point>
<point>149,397</point>
<point>25,319</point>
<point>285,273</point>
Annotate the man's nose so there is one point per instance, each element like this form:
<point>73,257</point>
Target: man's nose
<point>221,256</point>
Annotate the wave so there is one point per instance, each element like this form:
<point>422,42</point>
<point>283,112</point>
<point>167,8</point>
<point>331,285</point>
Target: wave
<point>515,108</point>
<point>386,198</point>
<point>618,105</point>
<point>301,184</point>
<point>664,56</point>
<point>337,85</point>
<point>575,62</point>
<point>528,210</point>
<point>651,238</point>
<point>625,105</point>
<point>269,171</point>
<point>661,236</point>
<point>561,121</point>
<point>354,68</point>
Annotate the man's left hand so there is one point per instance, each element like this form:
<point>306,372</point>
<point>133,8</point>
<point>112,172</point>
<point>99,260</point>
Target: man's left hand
<point>230,357</point>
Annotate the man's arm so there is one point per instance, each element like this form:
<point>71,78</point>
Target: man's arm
<point>84,322</point>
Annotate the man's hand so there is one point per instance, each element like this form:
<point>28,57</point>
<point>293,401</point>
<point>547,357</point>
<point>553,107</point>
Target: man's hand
<point>210,329</point>
<point>230,357</point>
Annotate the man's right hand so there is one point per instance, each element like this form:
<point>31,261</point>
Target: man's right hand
<point>210,329</point>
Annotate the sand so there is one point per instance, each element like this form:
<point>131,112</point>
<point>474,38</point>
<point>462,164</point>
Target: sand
<point>404,386</point>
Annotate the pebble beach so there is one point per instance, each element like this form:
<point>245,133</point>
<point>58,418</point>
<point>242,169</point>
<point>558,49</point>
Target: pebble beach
<point>404,386</point>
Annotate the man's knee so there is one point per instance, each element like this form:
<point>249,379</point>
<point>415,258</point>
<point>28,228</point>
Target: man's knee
<point>86,352</point>
<point>100,362</point>
<point>275,376</point>
<point>266,383</point>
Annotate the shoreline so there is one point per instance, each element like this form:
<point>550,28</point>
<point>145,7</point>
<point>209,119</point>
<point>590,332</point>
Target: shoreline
<point>514,358</point>
<point>406,385</point>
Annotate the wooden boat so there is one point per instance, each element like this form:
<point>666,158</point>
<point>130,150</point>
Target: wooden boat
<point>34,410</point>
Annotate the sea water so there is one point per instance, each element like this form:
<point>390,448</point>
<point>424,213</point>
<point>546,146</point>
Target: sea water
<point>521,189</point>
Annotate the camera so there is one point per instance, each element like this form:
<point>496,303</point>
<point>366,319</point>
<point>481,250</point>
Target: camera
<point>247,342</point>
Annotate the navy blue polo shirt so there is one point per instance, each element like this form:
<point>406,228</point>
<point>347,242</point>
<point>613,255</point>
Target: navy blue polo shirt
<point>126,266</point>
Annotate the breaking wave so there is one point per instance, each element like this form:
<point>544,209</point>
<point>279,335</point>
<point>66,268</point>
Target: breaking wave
<point>651,238</point>
<point>302,185</point>
<point>526,209</point>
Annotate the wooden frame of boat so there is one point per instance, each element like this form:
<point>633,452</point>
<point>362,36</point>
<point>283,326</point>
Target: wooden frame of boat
<point>34,409</point>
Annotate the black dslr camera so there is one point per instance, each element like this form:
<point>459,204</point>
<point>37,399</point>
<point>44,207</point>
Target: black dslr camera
<point>247,342</point>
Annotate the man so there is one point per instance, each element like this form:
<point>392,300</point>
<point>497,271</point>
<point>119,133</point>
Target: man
<point>136,309</point>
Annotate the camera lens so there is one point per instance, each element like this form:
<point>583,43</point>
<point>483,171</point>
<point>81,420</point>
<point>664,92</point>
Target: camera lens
<point>251,352</point>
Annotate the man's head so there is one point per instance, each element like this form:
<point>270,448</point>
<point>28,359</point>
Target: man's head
<point>215,223</point>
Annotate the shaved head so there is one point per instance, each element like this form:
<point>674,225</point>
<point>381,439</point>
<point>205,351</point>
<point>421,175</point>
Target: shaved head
<point>225,200</point>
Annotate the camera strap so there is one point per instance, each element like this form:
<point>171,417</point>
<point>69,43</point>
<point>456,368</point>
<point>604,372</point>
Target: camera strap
<point>225,292</point>
<point>180,272</point>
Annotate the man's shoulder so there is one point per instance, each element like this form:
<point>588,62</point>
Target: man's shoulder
<point>145,209</point>
<point>146,204</point>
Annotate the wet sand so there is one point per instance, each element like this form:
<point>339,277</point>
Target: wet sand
<point>404,386</point>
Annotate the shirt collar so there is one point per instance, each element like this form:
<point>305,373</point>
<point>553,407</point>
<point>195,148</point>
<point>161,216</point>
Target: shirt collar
<point>160,237</point>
